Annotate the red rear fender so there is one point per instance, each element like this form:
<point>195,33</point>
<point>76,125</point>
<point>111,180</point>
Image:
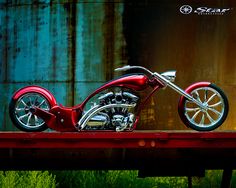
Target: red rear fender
<point>35,89</point>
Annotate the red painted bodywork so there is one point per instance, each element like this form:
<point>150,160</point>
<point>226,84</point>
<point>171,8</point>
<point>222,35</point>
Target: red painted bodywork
<point>196,85</point>
<point>59,118</point>
<point>133,82</point>
<point>182,98</point>
<point>64,119</point>
<point>36,89</point>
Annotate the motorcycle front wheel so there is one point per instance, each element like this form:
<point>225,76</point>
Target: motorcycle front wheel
<point>21,115</point>
<point>208,118</point>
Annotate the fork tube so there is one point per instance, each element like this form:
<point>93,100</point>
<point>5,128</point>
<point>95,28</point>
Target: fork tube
<point>178,89</point>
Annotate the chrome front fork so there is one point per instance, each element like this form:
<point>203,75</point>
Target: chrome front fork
<point>178,90</point>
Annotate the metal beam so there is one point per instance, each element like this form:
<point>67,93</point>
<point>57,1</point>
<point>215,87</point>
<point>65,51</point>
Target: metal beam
<point>160,151</point>
<point>137,139</point>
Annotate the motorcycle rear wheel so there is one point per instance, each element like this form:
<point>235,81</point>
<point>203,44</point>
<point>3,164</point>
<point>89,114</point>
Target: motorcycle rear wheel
<point>21,115</point>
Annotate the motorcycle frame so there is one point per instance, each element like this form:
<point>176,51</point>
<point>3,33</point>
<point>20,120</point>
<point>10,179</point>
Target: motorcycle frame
<point>62,118</point>
<point>143,84</point>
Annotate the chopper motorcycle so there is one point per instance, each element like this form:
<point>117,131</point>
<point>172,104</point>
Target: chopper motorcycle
<point>202,106</point>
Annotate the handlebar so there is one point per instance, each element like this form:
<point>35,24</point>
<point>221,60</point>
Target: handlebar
<point>128,67</point>
<point>165,77</point>
<point>124,68</point>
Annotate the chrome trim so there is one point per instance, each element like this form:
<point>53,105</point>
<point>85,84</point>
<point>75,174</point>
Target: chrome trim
<point>170,75</point>
<point>124,68</point>
<point>209,107</point>
<point>109,94</point>
<point>128,122</point>
<point>130,95</point>
<point>87,117</point>
<point>24,106</point>
<point>177,89</point>
<point>98,120</point>
<point>86,114</point>
<point>165,81</point>
<point>128,67</point>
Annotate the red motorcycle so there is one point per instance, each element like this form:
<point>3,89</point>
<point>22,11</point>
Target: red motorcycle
<point>117,105</point>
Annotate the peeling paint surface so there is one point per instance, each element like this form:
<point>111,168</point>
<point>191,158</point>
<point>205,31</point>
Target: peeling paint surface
<point>59,45</point>
<point>199,47</point>
<point>72,46</point>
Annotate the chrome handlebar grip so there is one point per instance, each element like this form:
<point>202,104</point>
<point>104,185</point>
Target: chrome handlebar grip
<point>124,68</point>
<point>128,67</point>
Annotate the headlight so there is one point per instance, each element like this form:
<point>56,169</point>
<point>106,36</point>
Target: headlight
<point>170,75</point>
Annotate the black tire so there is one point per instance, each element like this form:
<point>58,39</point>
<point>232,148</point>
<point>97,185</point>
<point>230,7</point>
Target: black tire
<point>213,124</point>
<point>20,124</point>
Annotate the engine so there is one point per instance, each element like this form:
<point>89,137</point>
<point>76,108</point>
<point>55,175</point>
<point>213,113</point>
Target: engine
<point>118,118</point>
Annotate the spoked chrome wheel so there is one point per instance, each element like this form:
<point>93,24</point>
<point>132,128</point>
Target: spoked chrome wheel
<point>214,112</point>
<point>21,115</point>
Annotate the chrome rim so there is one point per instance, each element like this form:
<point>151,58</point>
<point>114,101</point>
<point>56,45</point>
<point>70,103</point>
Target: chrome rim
<point>23,106</point>
<point>213,107</point>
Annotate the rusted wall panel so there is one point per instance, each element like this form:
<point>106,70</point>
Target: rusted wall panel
<point>90,42</point>
<point>199,47</point>
<point>58,45</point>
<point>36,39</point>
<point>71,47</point>
<point>30,2</point>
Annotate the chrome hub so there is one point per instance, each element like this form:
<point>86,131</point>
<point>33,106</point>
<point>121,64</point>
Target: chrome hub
<point>211,110</point>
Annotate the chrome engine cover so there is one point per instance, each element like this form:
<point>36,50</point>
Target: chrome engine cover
<point>114,114</point>
<point>123,122</point>
<point>98,120</point>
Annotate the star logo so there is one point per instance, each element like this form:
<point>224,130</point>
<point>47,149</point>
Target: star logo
<point>185,9</point>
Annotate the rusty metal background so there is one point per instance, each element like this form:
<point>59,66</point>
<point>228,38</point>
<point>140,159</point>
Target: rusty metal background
<point>199,47</point>
<point>71,47</point>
